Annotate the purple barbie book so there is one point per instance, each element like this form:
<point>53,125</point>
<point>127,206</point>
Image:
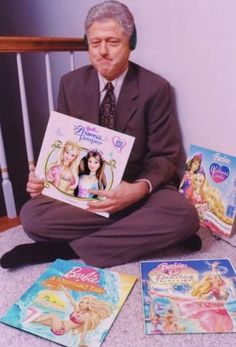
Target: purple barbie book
<point>209,183</point>
<point>71,304</point>
<point>189,296</point>
<point>77,156</point>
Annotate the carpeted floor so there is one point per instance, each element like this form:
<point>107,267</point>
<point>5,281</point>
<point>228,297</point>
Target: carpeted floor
<point>127,330</point>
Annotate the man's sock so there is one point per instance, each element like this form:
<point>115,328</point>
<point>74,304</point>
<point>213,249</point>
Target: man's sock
<point>36,253</point>
<point>193,243</point>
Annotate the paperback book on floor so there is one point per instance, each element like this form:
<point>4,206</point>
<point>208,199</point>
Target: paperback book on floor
<point>209,183</point>
<point>189,296</point>
<point>71,304</point>
<point>77,156</point>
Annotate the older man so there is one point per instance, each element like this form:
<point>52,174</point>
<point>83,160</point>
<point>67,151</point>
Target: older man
<point>147,213</point>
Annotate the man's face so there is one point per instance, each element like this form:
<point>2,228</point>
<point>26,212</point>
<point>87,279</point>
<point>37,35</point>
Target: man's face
<point>108,48</point>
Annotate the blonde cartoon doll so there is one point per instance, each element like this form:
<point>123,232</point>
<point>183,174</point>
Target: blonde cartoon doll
<point>64,173</point>
<point>212,285</point>
<point>204,196</point>
<point>195,193</point>
<point>209,296</point>
<point>214,201</point>
<point>88,313</point>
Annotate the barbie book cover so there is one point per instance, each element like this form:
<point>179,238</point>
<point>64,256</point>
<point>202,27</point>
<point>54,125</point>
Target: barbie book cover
<point>189,296</point>
<point>77,156</point>
<point>71,304</point>
<point>209,183</point>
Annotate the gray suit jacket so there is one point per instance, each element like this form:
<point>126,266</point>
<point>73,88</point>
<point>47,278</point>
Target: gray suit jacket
<point>144,110</point>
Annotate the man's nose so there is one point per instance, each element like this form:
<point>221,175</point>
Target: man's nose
<point>103,48</point>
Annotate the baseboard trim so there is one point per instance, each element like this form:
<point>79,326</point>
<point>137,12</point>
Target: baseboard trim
<point>7,223</point>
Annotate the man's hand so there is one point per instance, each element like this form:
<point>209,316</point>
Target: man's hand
<point>124,195</point>
<point>34,185</point>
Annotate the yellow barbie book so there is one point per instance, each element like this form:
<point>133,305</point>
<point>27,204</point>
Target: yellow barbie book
<point>209,183</point>
<point>77,156</point>
<point>71,304</point>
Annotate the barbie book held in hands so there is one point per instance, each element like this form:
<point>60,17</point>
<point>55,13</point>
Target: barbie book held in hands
<point>71,304</point>
<point>189,296</point>
<point>77,156</point>
<point>209,183</point>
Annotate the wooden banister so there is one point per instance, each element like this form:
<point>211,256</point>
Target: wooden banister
<point>31,44</point>
<point>17,44</point>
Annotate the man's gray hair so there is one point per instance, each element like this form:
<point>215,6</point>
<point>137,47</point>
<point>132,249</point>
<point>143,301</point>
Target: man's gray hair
<point>111,10</point>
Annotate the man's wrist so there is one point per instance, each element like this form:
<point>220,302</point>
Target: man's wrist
<point>148,183</point>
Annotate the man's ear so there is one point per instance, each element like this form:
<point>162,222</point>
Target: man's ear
<point>85,41</point>
<point>133,39</point>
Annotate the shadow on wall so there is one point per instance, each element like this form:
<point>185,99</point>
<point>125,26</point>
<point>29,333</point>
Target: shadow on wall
<point>181,167</point>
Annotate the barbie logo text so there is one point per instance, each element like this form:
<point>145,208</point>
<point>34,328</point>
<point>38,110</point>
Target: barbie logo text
<point>171,269</point>
<point>79,274</point>
<point>221,158</point>
<point>88,134</point>
<point>165,274</point>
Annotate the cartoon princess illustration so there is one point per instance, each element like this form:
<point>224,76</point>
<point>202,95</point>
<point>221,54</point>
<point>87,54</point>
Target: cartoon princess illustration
<point>63,174</point>
<point>191,167</point>
<point>212,285</point>
<point>92,175</point>
<point>170,323</point>
<point>214,201</point>
<point>205,308</point>
<point>88,313</point>
<point>204,196</point>
<point>195,192</point>
<point>210,311</point>
<point>155,320</point>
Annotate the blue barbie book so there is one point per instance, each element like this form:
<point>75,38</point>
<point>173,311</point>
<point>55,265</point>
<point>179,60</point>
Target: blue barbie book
<point>209,183</point>
<point>188,296</point>
<point>71,304</point>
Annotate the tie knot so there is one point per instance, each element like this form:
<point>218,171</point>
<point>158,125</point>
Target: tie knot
<point>109,86</point>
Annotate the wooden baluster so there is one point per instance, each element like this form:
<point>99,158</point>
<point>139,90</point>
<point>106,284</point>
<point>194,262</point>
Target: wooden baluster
<point>49,82</point>
<point>31,44</point>
<point>25,113</point>
<point>72,61</point>
<point>6,183</point>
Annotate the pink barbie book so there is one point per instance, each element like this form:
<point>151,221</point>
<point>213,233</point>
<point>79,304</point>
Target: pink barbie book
<point>188,296</point>
<point>77,156</point>
<point>71,304</point>
<point>209,183</point>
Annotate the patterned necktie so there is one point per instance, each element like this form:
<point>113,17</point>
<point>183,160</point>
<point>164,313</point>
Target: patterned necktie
<point>108,108</point>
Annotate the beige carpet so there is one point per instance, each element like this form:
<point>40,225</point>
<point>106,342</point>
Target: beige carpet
<point>128,329</point>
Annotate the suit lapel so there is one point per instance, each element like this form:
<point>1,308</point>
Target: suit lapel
<point>90,106</point>
<point>126,105</point>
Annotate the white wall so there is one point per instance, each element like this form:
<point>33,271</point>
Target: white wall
<point>192,43</point>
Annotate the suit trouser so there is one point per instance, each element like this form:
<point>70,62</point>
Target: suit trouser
<point>162,219</point>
